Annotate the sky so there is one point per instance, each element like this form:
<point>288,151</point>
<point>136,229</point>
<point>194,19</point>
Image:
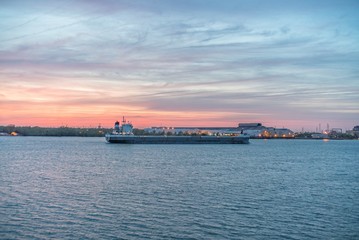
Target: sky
<point>82,63</point>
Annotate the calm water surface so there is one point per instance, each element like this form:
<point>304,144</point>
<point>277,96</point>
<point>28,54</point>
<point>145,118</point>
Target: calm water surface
<point>84,188</point>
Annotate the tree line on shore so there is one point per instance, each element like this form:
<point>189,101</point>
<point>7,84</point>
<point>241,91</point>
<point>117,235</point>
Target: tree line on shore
<point>70,131</point>
<point>59,131</point>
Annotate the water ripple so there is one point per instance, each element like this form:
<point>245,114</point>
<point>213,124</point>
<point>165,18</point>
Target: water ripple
<point>83,188</point>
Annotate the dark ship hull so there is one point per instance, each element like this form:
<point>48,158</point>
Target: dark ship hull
<point>132,139</point>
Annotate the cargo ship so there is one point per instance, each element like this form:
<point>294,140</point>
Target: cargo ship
<point>124,134</point>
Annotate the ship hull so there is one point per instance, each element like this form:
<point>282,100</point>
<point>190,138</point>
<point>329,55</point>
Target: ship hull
<point>131,139</point>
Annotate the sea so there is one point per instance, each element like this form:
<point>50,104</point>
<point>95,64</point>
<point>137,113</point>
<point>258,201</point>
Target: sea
<point>85,188</point>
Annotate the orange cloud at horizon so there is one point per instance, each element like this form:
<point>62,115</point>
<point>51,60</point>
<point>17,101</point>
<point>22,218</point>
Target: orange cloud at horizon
<point>40,102</point>
<point>50,115</point>
<point>89,107</point>
<point>56,115</point>
<point>84,105</point>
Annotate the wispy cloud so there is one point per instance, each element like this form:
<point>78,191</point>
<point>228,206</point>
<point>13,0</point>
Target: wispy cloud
<point>237,60</point>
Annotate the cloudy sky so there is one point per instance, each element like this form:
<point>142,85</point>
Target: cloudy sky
<point>180,62</point>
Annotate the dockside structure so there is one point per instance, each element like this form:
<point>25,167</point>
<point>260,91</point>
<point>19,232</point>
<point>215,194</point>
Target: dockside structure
<point>254,130</point>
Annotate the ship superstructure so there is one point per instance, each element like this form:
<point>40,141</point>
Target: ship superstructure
<point>125,129</point>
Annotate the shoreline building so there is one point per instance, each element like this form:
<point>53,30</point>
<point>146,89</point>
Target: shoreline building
<point>354,132</point>
<point>254,130</point>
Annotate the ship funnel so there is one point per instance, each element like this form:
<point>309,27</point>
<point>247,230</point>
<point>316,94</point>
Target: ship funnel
<point>117,126</point>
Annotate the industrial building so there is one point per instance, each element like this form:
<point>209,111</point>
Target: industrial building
<point>254,130</point>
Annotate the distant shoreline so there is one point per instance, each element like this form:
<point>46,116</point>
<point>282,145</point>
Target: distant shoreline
<point>100,132</point>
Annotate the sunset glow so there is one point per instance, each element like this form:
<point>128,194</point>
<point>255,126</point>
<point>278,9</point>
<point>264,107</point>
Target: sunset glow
<point>179,63</point>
